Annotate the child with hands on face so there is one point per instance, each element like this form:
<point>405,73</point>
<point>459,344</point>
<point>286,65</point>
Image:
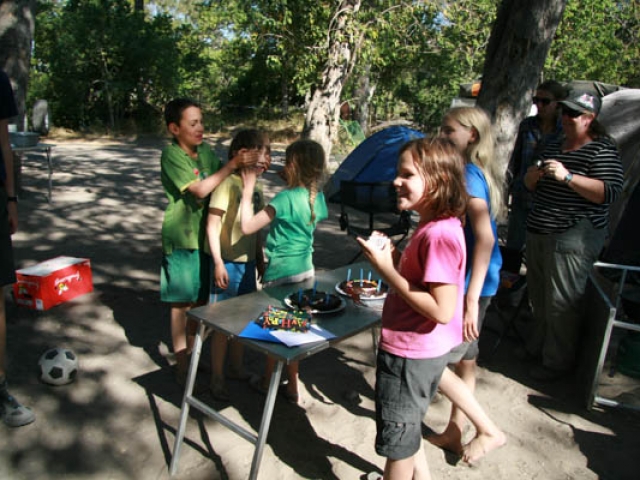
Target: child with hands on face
<point>236,256</point>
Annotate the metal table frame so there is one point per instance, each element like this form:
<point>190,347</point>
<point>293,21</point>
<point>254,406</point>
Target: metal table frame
<point>40,148</point>
<point>613,321</point>
<point>223,317</point>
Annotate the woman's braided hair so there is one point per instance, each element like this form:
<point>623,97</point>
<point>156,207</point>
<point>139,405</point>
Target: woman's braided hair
<point>305,167</point>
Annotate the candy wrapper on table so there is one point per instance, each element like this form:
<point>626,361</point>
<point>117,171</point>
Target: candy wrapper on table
<point>284,326</point>
<point>278,319</point>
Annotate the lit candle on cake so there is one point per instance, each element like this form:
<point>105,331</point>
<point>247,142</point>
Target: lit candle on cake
<point>361,276</point>
<point>348,275</point>
<point>379,285</point>
<point>369,276</point>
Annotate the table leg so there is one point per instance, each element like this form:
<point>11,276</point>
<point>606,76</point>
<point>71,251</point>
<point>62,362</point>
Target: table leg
<point>184,411</point>
<point>50,165</point>
<point>374,341</point>
<point>266,419</point>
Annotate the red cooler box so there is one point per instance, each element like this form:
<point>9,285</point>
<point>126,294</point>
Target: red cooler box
<point>52,282</point>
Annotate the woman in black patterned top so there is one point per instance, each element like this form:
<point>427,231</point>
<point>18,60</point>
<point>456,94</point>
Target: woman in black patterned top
<point>574,186</point>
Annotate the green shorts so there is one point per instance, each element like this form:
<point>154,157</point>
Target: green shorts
<point>185,277</point>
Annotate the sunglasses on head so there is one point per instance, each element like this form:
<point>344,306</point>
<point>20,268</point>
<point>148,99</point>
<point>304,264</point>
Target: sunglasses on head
<point>571,113</point>
<point>543,101</point>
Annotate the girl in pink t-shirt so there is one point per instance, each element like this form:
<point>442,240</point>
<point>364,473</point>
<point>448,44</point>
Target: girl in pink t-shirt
<point>422,315</point>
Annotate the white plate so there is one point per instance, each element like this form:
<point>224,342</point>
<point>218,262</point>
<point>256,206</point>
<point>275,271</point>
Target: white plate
<point>362,298</point>
<point>339,308</point>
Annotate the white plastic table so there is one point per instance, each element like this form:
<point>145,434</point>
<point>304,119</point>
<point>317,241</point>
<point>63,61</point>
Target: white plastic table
<point>40,148</point>
<point>223,317</point>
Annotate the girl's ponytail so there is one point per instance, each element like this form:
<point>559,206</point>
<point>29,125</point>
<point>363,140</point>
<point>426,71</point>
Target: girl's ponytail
<point>305,167</point>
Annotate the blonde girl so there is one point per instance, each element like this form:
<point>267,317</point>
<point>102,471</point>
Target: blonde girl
<point>469,129</point>
<point>293,215</point>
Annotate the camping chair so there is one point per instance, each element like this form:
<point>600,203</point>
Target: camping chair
<point>372,198</point>
<point>512,291</point>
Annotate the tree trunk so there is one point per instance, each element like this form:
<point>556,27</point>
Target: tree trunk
<point>17,20</point>
<point>284,89</point>
<point>323,111</point>
<point>364,94</point>
<point>518,46</point>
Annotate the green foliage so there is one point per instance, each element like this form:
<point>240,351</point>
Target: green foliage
<point>93,61</point>
<point>597,40</point>
<point>447,49</point>
<point>99,63</point>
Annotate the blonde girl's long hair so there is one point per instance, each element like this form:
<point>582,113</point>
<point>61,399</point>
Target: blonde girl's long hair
<point>482,154</point>
<point>305,167</point>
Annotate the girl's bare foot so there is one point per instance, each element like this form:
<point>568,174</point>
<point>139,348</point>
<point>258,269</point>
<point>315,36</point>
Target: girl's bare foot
<point>477,448</point>
<point>450,440</point>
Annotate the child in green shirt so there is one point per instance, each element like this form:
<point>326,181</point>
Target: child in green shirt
<point>190,171</point>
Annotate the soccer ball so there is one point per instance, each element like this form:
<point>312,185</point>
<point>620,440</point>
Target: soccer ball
<point>58,366</point>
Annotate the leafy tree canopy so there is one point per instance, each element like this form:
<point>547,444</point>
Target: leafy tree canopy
<point>100,63</point>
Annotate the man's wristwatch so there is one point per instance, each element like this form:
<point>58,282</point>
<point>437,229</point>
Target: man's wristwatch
<point>568,177</point>
<point>12,199</point>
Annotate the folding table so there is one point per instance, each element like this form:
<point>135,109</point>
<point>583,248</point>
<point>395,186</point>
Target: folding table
<point>231,317</point>
<point>604,314</point>
<point>40,148</point>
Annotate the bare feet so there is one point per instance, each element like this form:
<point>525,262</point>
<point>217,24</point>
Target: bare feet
<point>450,440</point>
<point>477,448</point>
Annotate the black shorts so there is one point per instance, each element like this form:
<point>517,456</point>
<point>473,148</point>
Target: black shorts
<point>7,266</point>
<point>404,389</point>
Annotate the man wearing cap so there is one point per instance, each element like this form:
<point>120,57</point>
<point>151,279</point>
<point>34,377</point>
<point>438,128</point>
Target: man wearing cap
<point>581,176</point>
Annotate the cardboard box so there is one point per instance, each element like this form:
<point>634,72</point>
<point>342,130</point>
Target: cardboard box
<point>52,282</point>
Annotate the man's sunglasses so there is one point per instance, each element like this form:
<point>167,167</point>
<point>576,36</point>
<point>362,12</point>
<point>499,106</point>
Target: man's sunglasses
<point>571,113</point>
<point>543,101</point>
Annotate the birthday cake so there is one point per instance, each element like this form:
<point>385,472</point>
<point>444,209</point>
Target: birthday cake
<point>278,319</point>
<point>313,300</point>
<point>362,289</point>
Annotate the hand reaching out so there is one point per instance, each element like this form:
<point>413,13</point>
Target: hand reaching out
<point>247,158</point>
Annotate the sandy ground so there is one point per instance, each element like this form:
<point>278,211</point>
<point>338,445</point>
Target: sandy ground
<point>118,420</point>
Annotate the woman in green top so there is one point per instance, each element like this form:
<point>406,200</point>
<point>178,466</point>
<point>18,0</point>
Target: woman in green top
<point>190,171</point>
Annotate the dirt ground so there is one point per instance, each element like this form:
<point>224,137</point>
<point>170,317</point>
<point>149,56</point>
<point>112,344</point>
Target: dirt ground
<point>118,420</point>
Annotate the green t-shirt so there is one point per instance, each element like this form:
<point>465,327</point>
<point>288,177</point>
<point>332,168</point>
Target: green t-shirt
<point>184,219</point>
<point>234,246</point>
<point>289,244</point>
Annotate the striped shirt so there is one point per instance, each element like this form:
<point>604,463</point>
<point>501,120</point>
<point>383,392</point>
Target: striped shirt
<point>557,207</point>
